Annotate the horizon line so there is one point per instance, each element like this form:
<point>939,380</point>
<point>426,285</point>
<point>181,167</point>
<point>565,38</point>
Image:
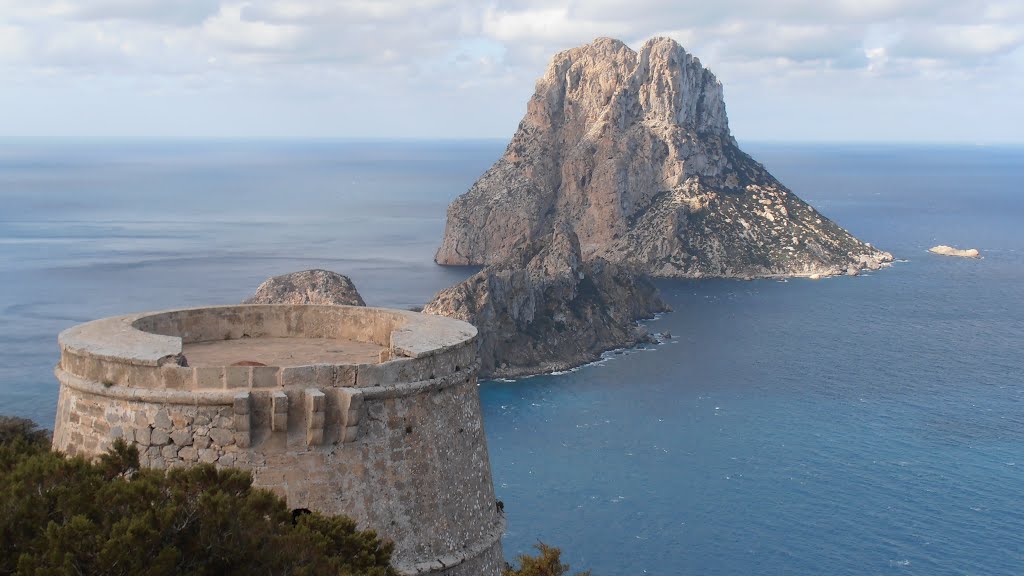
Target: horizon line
<point>4,139</point>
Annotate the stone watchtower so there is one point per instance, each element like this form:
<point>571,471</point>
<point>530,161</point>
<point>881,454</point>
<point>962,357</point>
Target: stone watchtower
<point>367,412</point>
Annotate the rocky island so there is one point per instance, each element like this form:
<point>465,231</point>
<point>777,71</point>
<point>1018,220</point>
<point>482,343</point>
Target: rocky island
<point>943,250</point>
<point>623,167</point>
<point>632,150</point>
<point>546,309</point>
<point>307,287</point>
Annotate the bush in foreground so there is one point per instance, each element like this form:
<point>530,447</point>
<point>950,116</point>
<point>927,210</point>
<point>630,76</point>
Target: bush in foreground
<point>61,515</point>
<point>70,516</point>
<point>547,563</point>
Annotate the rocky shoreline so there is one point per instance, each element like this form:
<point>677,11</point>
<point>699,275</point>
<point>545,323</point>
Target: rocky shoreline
<point>546,310</point>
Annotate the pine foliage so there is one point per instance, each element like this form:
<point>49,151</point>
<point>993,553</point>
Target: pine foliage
<point>70,516</point>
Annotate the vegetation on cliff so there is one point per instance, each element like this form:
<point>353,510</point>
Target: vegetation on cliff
<point>547,563</point>
<point>61,515</point>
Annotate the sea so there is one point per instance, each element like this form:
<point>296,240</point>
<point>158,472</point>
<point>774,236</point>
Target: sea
<point>846,426</point>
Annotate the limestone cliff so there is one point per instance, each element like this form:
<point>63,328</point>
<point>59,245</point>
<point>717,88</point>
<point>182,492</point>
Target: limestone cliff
<point>307,287</point>
<point>545,309</point>
<point>633,151</point>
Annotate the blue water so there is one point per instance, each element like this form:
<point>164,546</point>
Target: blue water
<point>870,425</point>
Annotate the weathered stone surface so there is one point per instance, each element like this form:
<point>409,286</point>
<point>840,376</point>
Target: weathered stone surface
<point>307,287</point>
<point>950,251</point>
<point>221,436</point>
<point>429,491</point>
<point>182,437</point>
<point>633,151</point>
<point>159,437</point>
<point>547,310</point>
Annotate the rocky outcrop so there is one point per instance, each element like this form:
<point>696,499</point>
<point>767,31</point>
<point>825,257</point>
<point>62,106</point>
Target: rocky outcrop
<point>307,287</point>
<point>544,309</point>
<point>950,251</point>
<point>633,151</point>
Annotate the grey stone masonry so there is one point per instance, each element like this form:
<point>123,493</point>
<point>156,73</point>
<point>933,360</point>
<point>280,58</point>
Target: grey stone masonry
<point>396,443</point>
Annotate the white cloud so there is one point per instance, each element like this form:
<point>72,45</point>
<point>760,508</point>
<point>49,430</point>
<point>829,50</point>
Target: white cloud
<point>232,28</point>
<point>12,42</point>
<point>961,41</point>
<point>493,50</point>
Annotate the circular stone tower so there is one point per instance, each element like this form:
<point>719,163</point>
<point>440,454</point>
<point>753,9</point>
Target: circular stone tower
<point>368,412</point>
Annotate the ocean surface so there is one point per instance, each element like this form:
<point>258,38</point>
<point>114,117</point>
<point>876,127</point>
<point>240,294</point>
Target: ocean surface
<point>869,425</point>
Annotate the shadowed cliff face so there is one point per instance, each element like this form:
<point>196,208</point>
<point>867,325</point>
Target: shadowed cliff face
<point>633,151</point>
<point>545,309</point>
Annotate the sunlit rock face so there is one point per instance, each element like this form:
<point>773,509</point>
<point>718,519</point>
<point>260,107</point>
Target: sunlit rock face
<point>632,151</point>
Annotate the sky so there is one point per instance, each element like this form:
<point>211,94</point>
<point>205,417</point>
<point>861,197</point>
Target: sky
<point>929,71</point>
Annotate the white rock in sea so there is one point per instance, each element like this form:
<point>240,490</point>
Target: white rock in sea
<point>950,251</point>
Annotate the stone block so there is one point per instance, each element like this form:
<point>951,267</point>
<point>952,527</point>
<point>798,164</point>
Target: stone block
<point>207,456</point>
<point>297,376</point>
<point>221,436</point>
<point>345,376</point>
<point>180,419</point>
<point>316,420</point>
<point>243,418</point>
<point>419,369</point>
<point>142,377</point>
<point>264,377</point>
<point>237,376</point>
<point>116,373</point>
<point>323,375</point>
<point>315,400</point>
<point>241,403</point>
<point>182,437</point>
<point>176,377</point>
<point>279,412</point>
<point>188,454</point>
<point>142,436</point>
<point>369,375</point>
<point>349,406</point>
<point>160,437</point>
<point>315,436</point>
<point>352,417</point>
<point>315,403</point>
<point>350,434</point>
<point>208,377</point>
<point>242,439</point>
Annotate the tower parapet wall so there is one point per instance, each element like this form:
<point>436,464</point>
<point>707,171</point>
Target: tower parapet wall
<point>396,443</point>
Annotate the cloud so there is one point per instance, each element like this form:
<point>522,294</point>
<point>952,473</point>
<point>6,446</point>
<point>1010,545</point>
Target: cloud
<point>960,42</point>
<point>233,29</point>
<point>493,50</point>
<point>413,34</point>
<point>176,12</point>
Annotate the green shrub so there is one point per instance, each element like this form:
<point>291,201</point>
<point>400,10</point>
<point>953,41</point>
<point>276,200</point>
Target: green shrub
<point>64,516</point>
<point>547,563</point>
